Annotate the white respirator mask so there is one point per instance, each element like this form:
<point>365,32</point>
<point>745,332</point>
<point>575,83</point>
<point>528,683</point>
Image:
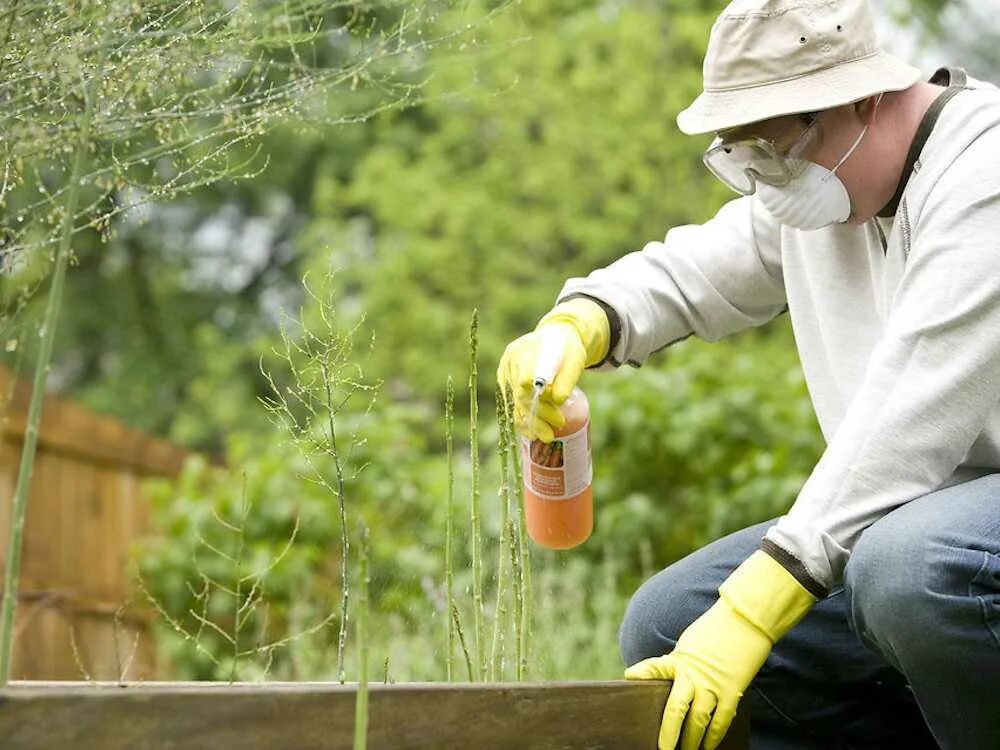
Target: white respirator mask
<point>815,198</point>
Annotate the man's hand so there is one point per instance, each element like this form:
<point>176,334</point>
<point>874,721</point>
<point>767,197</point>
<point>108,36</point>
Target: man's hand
<point>719,654</point>
<point>580,329</point>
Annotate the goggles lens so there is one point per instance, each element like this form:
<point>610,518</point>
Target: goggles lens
<point>739,164</point>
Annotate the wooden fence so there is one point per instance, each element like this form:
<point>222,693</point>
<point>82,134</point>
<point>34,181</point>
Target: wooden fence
<point>85,511</point>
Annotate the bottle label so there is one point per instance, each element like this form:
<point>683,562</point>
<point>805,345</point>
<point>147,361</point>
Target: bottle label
<point>561,469</point>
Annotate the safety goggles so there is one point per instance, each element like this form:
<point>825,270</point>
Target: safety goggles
<point>741,163</point>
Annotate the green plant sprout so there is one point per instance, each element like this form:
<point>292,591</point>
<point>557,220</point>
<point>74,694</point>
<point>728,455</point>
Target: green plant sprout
<point>477,540</point>
<point>325,382</point>
<point>449,533</point>
<point>361,702</point>
<point>523,591</point>
<point>499,620</point>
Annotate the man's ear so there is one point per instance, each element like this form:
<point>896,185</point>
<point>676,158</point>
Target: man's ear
<point>866,109</point>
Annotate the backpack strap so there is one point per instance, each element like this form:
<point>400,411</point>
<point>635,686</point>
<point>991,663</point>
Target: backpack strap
<point>950,76</point>
<point>923,132</point>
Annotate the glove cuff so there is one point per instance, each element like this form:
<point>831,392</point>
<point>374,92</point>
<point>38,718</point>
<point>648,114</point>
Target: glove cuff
<point>767,595</point>
<point>590,322</point>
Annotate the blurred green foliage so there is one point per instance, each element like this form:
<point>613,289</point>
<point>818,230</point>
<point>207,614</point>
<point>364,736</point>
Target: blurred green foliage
<point>550,152</point>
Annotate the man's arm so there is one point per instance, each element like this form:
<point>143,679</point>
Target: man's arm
<point>709,280</point>
<point>930,386</point>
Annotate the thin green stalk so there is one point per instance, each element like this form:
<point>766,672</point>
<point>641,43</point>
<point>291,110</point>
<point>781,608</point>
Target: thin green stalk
<point>20,501</point>
<point>503,445</point>
<point>525,624</point>
<point>477,562</point>
<point>449,430</point>
<point>361,703</point>
<point>238,588</point>
<point>500,612</point>
<point>461,639</point>
<point>345,547</point>
<point>516,574</point>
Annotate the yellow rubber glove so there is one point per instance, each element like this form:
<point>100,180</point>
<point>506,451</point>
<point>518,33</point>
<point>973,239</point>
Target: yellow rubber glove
<point>580,328</point>
<point>718,655</point>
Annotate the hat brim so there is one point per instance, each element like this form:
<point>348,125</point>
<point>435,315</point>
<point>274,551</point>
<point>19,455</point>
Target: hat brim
<point>847,82</point>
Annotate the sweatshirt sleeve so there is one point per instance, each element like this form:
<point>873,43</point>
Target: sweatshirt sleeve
<point>709,280</point>
<point>930,385</point>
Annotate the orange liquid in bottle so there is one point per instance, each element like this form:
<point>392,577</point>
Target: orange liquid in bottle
<point>558,502</point>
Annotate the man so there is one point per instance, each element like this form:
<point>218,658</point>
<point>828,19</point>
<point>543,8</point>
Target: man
<point>869,614</point>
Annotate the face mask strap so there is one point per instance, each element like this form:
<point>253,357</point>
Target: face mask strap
<point>857,141</point>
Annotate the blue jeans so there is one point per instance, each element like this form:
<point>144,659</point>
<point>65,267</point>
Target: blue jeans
<point>906,654</point>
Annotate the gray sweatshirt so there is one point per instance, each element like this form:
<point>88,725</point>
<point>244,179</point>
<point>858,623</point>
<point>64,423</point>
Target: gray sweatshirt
<point>897,324</point>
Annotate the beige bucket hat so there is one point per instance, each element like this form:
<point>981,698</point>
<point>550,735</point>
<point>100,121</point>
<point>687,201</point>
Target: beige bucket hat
<point>768,58</point>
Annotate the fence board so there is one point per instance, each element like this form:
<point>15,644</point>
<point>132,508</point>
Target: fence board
<point>320,716</point>
<point>70,429</point>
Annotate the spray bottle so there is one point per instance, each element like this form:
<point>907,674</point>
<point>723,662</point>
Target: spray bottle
<point>558,501</point>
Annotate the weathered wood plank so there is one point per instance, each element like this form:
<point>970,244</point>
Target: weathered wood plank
<point>69,429</point>
<point>303,716</point>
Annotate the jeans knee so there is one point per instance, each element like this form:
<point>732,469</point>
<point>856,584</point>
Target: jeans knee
<point>899,583</point>
<point>878,575</point>
<point>658,613</point>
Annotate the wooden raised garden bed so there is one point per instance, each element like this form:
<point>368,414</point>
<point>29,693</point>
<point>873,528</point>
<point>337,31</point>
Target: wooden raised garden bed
<point>253,716</point>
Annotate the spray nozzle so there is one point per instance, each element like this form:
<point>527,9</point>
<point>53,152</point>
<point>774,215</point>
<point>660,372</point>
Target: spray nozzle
<point>550,356</point>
